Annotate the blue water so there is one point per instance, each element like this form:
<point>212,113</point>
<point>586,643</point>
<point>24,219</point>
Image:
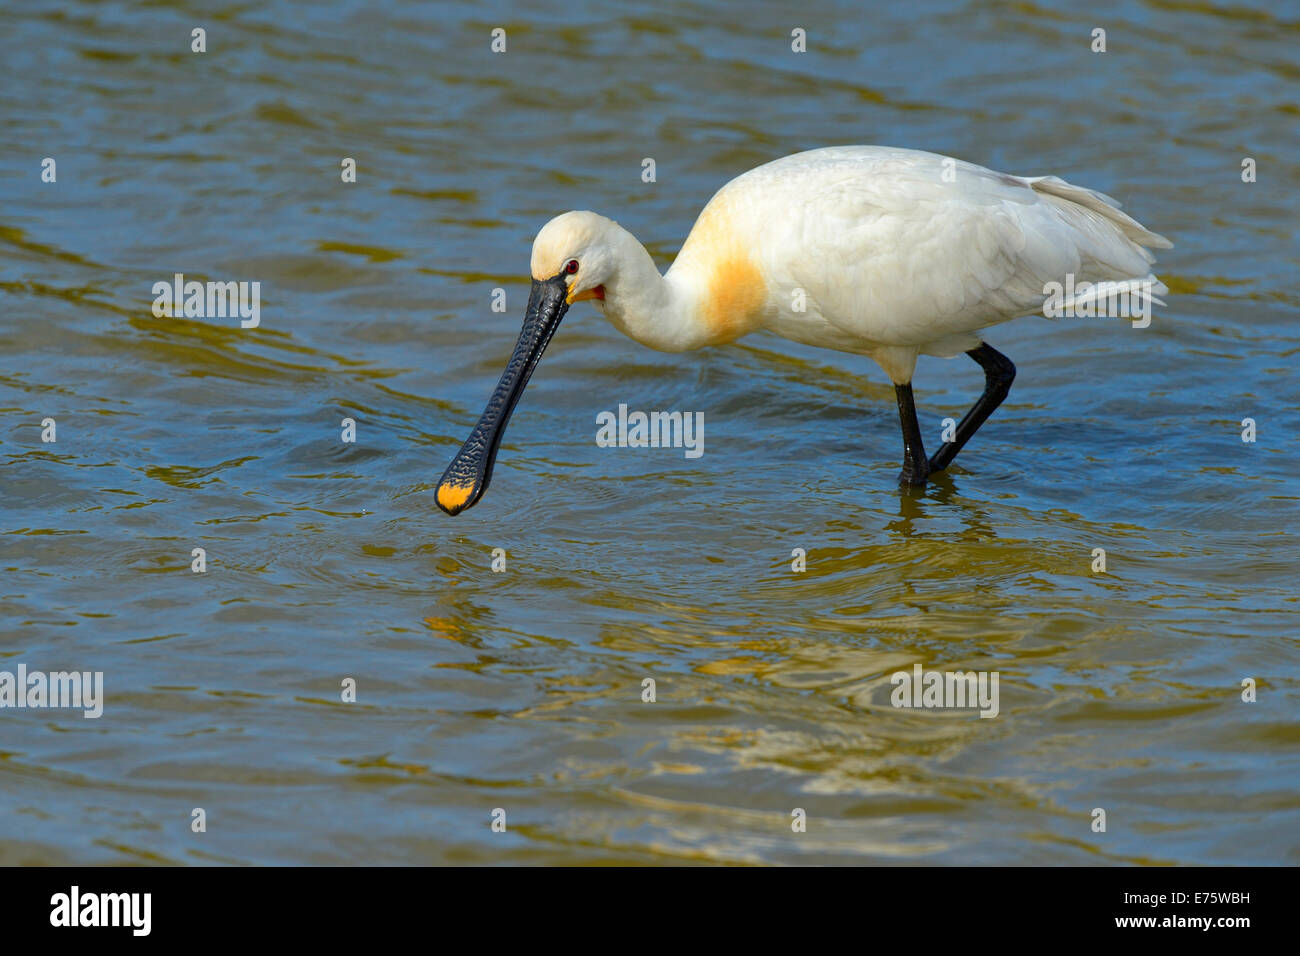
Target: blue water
<point>522,689</point>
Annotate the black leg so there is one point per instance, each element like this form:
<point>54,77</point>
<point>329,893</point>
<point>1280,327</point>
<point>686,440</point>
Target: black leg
<point>915,466</point>
<point>999,373</point>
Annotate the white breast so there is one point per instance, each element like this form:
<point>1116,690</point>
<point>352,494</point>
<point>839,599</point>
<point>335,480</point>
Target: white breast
<point>896,247</point>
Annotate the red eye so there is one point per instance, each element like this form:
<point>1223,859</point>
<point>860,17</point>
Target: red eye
<point>571,266</point>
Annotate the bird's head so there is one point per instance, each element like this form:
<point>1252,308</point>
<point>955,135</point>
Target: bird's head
<point>580,249</point>
<point>575,257</point>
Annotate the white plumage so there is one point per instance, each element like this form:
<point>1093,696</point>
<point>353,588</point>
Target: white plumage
<point>898,252</point>
<point>890,253</point>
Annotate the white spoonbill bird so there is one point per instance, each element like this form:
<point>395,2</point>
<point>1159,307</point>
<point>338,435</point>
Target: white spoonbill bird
<point>884,252</point>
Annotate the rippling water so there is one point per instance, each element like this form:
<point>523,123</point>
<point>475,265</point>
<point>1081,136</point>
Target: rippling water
<point>522,690</point>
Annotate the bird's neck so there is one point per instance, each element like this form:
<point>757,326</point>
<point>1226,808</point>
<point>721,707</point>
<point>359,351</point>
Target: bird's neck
<point>660,312</point>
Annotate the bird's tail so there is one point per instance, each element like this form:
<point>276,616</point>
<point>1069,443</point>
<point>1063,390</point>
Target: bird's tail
<point>1102,204</point>
<point>1144,292</point>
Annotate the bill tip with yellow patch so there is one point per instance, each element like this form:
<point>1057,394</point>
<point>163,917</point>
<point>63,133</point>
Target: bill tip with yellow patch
<point>452,497</point>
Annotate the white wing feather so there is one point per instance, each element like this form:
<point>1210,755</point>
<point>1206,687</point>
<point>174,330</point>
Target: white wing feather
<point>899,247</point>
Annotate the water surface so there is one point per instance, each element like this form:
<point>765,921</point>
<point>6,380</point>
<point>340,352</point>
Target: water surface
<point>522,690</point>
